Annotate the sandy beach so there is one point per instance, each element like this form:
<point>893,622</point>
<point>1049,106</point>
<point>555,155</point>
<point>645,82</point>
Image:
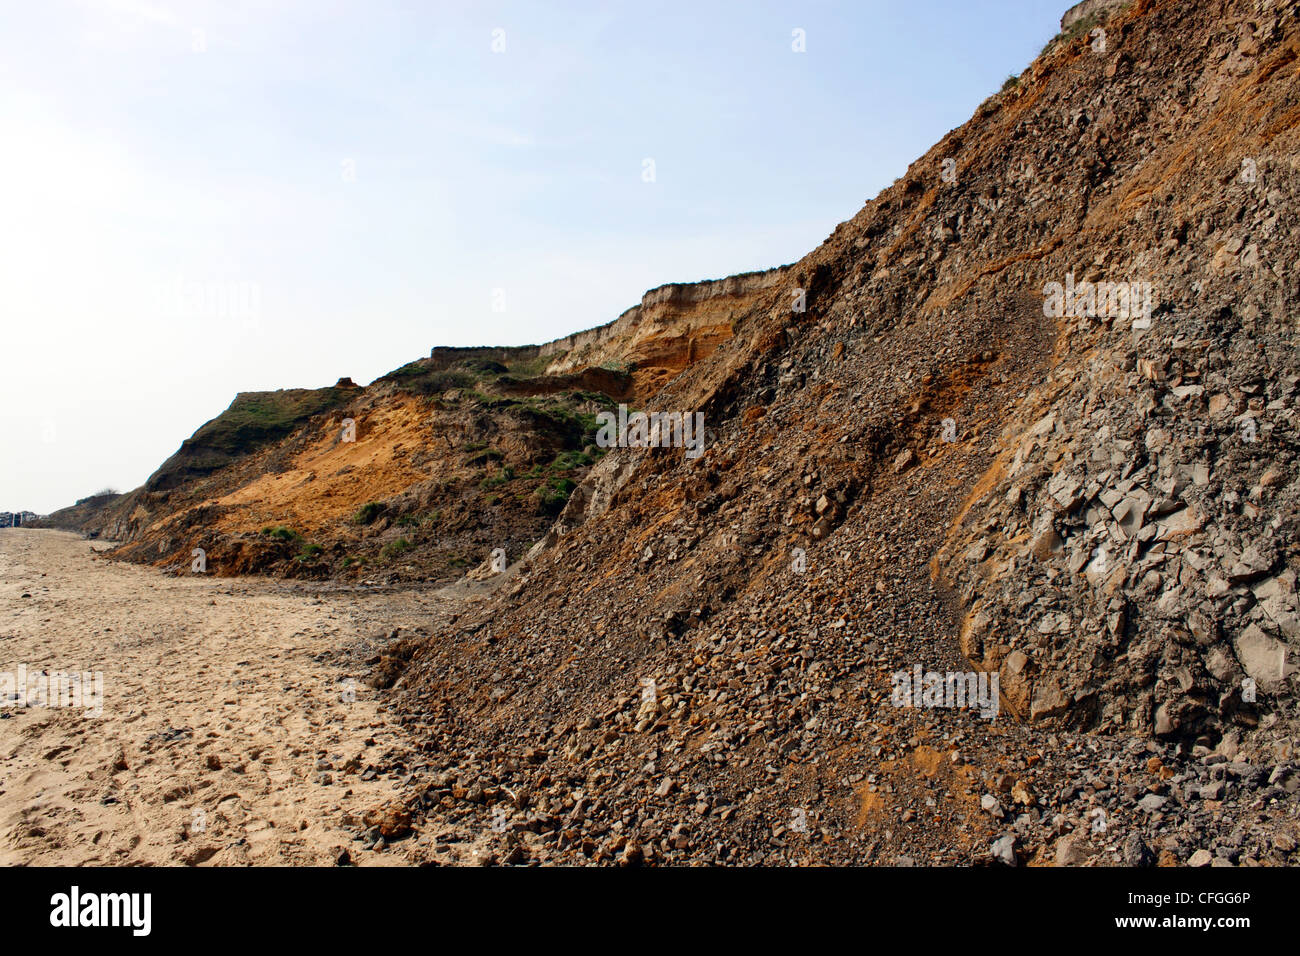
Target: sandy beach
<point>234,726</point>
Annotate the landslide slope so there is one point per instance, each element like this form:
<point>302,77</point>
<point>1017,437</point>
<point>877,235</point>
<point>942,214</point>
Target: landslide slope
<point>921,469</point>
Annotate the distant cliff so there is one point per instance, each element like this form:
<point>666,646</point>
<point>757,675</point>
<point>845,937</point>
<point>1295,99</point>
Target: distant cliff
<point>1087,8</point>
<point>674,326</point>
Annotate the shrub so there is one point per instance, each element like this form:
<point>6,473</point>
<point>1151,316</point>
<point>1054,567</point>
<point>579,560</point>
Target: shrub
<point>395,549</point>
<point>483,366</point>
<point>552,496</point>
<point>534,365</point>
<point>569,460</point>
<point>500,478</point>
<point>368,512</point>
<point>440,382</point>
<point>309,552</point>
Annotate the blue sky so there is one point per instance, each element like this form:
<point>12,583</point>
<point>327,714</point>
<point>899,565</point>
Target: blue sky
<point>198,199</point>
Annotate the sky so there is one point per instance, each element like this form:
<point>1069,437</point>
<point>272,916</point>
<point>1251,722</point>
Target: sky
<point>199,199</point>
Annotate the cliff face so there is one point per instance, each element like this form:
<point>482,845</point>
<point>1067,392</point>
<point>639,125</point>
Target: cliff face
<point>675,326</point>
<point>79,516</point>
<point>253,420</point>
<point>1038,420</point>
<point>450,457</point>
<point>416,477</point>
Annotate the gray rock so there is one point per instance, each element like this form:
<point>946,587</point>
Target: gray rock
<point>1262,657</point>
<point>1070,851</point>
<point>1136,852</point>
<point>1004,850</point>
<point>1152,802</point>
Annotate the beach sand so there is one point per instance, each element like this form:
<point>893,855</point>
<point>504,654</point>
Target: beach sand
<point>234,727</point>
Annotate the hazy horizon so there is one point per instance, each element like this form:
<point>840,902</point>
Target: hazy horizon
<point>204,199</point>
